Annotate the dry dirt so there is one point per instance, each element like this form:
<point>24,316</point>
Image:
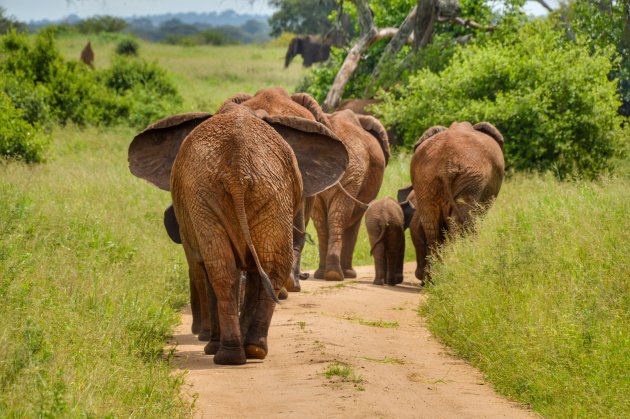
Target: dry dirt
<point>399,369</point>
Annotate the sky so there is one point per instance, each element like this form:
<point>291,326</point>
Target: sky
<point>26,10</point>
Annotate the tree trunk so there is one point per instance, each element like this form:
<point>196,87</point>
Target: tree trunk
<point>425,21</point>
<point>368,35</point>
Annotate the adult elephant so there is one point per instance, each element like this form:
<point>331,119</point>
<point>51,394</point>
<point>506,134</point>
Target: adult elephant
<point>453,171</point>
<point>312,49</point>
<point>273,101</point>
<point>237,179</point>
<point>337,212</point>
<point>364,107</point>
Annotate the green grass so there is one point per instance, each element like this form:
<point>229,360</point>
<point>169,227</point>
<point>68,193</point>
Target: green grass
<point>539,298</point>
<point>90,285</point>
<point>344,373</point>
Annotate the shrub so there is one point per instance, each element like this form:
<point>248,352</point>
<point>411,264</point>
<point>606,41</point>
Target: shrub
<point>127,47</point>
<point>44,86</point>
<point>97,24</point>
<point>18,138</point>
<point>550,98</point>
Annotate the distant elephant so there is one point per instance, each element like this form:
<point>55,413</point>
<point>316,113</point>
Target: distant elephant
<point>386,221</point>
<point>87,55</point>
<point>237,179</point>
<point>271,101</point>
<point>453,172</point>
<point>337,212</point>
<point>312,49</point>
<point>362,107</point>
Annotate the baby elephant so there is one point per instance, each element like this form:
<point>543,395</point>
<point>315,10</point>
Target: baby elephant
<point>386,221</point>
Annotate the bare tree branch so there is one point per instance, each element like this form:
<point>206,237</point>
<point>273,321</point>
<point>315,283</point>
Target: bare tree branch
<point>544,4</point>
<point>367,38</point>
<point>468,23</point>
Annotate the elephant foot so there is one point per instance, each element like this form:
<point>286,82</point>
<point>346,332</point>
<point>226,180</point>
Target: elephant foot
<point>349,273</point>
<point>293,286</point>
<point>230,356</point>
<point>283,294</point>
<point>205,335</point>
<point>253,351</point>
<point>378,281</point>
<point>399,279</point>
<point>212,347</point>
<point>304,275</point>
<point>319,273</point>
<point>333,276</point>
<point>196,327</point>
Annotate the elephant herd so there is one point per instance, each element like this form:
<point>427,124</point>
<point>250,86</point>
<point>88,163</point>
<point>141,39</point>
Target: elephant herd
<point>246,181</point>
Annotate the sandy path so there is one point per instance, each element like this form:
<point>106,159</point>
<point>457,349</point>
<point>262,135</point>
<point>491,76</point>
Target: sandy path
<point>399,371</point>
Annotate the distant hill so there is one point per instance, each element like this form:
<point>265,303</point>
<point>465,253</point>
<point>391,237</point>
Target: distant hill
<point>187,28</point>
<point>209,19</point>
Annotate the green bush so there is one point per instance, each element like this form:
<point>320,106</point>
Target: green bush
<point>550,98</point>
<point>127,47</point>
<point>18,139</point>
<point>46,87</point>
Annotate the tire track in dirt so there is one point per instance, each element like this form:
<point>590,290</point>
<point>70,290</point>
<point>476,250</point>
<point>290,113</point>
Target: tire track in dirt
<point>400,370</point>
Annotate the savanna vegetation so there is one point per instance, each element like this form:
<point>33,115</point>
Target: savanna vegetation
<point>537,298</point>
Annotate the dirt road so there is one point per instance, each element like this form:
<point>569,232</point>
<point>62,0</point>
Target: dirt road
<point>394,367</point>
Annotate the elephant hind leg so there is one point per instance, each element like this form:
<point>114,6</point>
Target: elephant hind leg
<point>221,268</point>
<point>380,263</point>
<point>348,243</point>
<point>395,255</point>
<point>426,235</point>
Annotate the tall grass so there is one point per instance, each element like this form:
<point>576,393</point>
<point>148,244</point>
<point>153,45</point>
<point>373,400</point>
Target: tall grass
<point>539,298</point>
<point>89,283</point>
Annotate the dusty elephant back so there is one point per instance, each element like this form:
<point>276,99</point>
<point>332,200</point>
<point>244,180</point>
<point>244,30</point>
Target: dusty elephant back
<point>387,211</point>
<point>239,152</point>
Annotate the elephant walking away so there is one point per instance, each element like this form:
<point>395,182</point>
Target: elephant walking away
<point>386,221</point>
<point>453,171</point>
<point>237,179</point>
<point>273,101</point>
<point>337,212</point>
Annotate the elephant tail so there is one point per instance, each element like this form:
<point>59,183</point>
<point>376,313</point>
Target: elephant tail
<point>379,239</point>
<point>239,207</point>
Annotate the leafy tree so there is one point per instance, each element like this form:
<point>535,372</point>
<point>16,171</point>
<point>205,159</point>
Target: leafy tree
<point>99,24</point>
<point>549,96</point>
<point>301,16</point>
<point>7,23</point>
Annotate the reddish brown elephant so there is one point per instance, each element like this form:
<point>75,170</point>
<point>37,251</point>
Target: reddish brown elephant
<point>237,180</point>
<point>364,107</point>
<point>337,212</point>
<point>386,221</point>
<point>271,101</point>
<point>453,172</point>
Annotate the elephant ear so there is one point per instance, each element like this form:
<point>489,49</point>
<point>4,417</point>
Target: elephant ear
<point>374,127</point>
<point>490,130</point>
<point>428,134</point>
<point>171,225</point>
<point>295,48</point>
<point>307,101</point>
<point>152,152</point>
<point>403,193</point>
<point>405,200</point>
<point>322,158</point>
